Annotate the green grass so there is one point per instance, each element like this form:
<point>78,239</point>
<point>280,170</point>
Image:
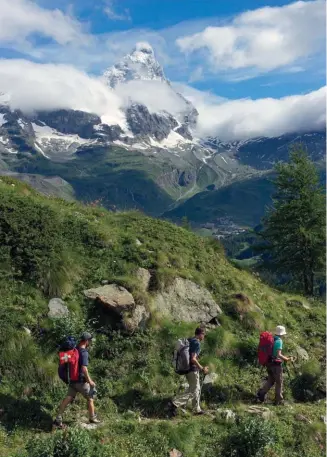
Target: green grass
<point>50,246</point>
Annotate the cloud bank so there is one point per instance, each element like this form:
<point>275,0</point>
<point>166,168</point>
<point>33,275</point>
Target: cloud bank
<point>265,39</point>
<point>20,20</point>
<point>53,86</point>
<point>246,118</point>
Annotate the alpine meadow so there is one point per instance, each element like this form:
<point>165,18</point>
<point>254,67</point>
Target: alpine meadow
<point>162,228</point>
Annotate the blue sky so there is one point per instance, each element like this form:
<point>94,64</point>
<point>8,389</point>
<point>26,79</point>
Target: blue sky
<point>253,50</point>
<point>115,25</point>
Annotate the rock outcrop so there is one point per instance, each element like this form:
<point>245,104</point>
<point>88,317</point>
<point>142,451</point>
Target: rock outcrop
<point>57,308</point>
<point>118,303</point>
<point>184,300</point>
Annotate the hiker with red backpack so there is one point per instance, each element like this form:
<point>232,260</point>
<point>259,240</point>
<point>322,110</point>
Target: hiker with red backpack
<point>186,362</point>
<point>73,370</point>
<point>270,355</point>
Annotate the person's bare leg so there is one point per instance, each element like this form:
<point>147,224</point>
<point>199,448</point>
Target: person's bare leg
<point>64,404</point>
<point>90,406</point>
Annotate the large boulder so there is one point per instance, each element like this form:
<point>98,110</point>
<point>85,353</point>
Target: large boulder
<point>183,300</point>
<point>113,297</point>
<point>57,308</point>
<point>118,305</point>
<point>143,275</point>
<point>301,354</point>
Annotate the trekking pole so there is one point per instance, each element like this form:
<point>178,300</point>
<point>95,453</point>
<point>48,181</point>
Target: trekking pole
<point>287,371</point>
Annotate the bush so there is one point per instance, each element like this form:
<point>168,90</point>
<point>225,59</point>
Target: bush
<point>76,442</point>
<point>248,350</point>
<point>249,438</point>
<point>305,385</point>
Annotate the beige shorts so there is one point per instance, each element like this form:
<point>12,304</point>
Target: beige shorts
<point>82,388</point>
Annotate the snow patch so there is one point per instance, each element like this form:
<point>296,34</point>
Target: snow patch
<point>37,147</point>
<point>4,140</point>
<point>45,132</point>
<point>2,119</point>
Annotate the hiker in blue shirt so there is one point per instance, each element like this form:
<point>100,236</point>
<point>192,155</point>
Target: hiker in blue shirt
<point>84,386</point>
<point>193,376</point>
<point>275,369</point>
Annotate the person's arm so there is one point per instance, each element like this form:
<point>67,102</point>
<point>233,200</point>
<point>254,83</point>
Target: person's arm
<point>87,376</point>
<point>283,357</point>
<point>194,361</point>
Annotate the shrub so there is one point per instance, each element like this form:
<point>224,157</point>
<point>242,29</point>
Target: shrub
<point>249,438</point>
<point>248,350</point>
<point>305,384</point>
<point>76,442</point>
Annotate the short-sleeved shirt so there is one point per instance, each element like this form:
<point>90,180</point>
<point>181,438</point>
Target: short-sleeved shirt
<point>195,348</point>
<point>83,362</point>
<point>278,346</point>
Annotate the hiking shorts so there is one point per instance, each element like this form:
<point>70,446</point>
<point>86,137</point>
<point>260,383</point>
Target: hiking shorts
<point>82,388</point>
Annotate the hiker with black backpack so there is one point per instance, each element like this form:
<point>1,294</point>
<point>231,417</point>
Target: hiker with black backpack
<point>186,362</point>
<point>73,370</point>
<point>270,355</point>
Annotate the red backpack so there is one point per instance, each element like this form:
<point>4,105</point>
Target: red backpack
<point>68,369</point>
<point>265,349</point>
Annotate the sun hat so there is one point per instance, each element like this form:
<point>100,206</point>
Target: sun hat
<point>280,330</point>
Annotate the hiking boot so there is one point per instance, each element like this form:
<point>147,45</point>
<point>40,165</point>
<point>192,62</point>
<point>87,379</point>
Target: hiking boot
<point>200,413</point>
<point>172,409</point>
<point>57,422</point>
<point>94,420</point>
<point>260,397</point>
<point>281,403</point>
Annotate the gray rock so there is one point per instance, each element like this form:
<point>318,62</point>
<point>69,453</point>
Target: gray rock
<point>57,308</point>
<point>261,411</point>
<point>175,453</point>
<point>227,415</point>
<point>117,300</point>
<point>142,122</point>
<point>297,303</point>
<point>144,276</point>
<point>210,378</point>
<point>302,418</point>
<point>69,121</point>
<point>138,242</point>
<point>27,331</point>
<point>137,319</point>
<point>301,354</point>
<point>184,300</point>
<point>113,297</point>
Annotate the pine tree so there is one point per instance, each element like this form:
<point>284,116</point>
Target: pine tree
<point>294,227</point>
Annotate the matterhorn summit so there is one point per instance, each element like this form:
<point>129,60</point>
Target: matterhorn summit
<point>141,64</point>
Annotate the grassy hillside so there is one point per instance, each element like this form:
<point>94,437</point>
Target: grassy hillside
<point>51,247</point>
<point>244,202</point>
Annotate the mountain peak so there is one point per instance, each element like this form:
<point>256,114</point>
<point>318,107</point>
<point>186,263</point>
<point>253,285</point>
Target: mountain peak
<point>141,64</point>
<point>143,47</point>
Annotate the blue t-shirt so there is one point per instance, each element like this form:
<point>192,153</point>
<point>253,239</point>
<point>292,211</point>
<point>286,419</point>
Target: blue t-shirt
<point>83,362</point>
<point>278,345</point>
<point>195,348</point>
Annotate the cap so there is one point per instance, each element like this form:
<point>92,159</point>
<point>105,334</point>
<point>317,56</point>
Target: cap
<point>86,336</point>
<point>280,330</point>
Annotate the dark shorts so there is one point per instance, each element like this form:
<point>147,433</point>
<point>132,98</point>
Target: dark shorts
<point>82,388</point>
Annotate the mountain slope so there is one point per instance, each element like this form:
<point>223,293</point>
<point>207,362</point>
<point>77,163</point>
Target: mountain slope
<point>149,158</point>
<point>51,248</point>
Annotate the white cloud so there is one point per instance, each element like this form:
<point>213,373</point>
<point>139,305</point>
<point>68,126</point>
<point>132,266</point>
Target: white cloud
<point>110,11</point>
<point>156,95</point>
<point>50,86</point>
<point>21,19</point>
<point>54,86</point>
<point>264,39</point>
<point>246,118</point>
